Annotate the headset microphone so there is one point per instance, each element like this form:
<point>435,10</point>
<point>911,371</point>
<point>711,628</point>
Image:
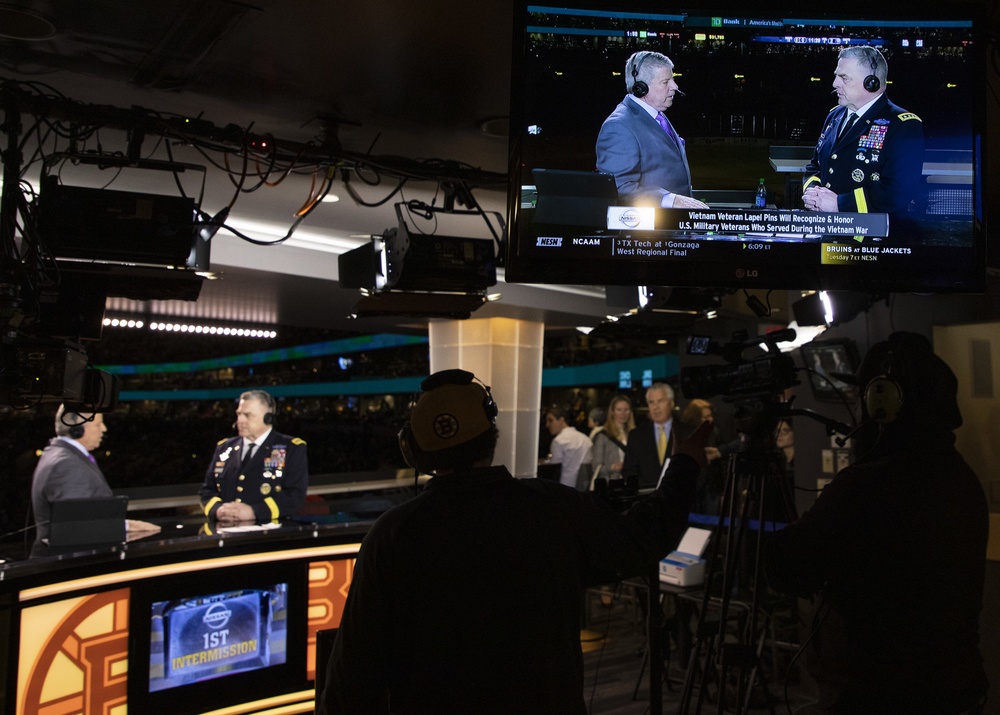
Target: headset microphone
<point>841,441</point>
<point>680,93</point>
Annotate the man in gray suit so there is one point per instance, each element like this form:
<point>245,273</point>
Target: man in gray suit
<point>637,143</point>
<point>68,470</point>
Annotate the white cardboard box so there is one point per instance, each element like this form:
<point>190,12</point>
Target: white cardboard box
<point>684,566</point>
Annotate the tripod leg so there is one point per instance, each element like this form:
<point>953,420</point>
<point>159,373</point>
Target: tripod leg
<point>700,661</point>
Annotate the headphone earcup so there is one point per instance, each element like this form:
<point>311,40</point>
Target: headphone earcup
<point>268,418</point>
<point>883,399</point>
<point>639,88</point>
<point>76,431</point>
<point>407,445</point>
<point>489,406</point>
<point>872,83</point>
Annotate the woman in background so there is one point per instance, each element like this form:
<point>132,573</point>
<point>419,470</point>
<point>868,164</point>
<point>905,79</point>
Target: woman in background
<point>609,443</point>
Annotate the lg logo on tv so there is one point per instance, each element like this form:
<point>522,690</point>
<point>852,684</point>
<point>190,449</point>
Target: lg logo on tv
<point>742,273</point>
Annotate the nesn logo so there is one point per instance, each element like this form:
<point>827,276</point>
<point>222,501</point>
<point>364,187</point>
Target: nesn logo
<point>549,241</point>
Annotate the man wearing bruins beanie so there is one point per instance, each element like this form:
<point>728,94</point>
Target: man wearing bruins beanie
<point>468,598</point>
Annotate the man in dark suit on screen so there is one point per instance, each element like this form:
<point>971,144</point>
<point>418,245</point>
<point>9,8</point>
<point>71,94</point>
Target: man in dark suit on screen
<point>870,153</point>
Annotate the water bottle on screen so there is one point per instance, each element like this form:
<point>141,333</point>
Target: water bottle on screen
<point>760,200</point>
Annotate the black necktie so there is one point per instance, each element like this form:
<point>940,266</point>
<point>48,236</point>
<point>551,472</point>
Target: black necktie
<point>848,124</point>
<point>247,454</point>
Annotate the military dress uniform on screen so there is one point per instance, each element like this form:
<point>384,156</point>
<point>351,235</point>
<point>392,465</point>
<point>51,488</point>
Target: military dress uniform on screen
<point>273,483</point>
<point>876,166</point>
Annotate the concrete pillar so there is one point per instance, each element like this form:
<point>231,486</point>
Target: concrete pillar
<point>506,354</point>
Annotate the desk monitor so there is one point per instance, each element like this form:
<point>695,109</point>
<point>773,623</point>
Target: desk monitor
<point>90,521</point>
<point>578,198</point>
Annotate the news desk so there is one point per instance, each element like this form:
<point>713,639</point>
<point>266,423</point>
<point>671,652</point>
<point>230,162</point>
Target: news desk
<point>189,620</point>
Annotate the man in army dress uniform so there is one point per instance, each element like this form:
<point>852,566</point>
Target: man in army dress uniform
<point>869,157</point>
<point>259,476</point>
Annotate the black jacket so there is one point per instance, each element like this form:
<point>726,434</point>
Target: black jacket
<point>467,598</point>
<point>274,483</point>
<point>895,546</point>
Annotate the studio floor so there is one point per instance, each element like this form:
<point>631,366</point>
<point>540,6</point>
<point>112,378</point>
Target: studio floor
<point>616,680</point>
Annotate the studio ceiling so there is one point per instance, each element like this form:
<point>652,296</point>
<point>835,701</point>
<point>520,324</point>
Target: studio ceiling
<point>394,80</point>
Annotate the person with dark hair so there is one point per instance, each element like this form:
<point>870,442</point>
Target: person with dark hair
<point>895,548</point>
<point>595,421</point>
<point>570,448</point>
<point>639,145</point>
<point>68,470</point>
<point>260,475</point>
<point>784,439</point>
<point>468,597</point>
<point>870,154</point>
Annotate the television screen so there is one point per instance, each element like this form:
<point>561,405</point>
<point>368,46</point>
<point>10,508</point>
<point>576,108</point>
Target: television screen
<point>713,196</point>
<point>217,634</point>
<point>196,646</point>
<point>831,364</point>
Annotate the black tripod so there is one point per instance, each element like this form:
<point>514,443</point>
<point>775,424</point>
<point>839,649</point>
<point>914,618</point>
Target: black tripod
<point>755,477</point>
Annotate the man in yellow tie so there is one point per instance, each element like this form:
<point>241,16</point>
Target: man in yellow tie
<point>650,445</point>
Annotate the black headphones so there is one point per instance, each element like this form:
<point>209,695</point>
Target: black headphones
<point>268,401</point>
<point>447,424</point>
<point>872,83</point>
<point>269,415</point>
<point>883,394</point>
<point>639,88</point>
<point>77,431</point>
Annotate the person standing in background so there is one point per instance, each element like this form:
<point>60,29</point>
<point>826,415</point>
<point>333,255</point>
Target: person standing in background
<point>649,447</point>
<point>610,443</point>
<point>570,448</point>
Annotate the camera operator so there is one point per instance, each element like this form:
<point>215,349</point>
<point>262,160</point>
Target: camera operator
<point>895,548</point>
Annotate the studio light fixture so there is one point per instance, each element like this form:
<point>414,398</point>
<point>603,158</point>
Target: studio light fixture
<point>830,308</point>
<point>240,332</point>
<point>122,323</point>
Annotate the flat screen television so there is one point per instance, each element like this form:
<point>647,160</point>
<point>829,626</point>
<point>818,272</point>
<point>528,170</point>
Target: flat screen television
<point>197,642</point>
<point>758,86</point>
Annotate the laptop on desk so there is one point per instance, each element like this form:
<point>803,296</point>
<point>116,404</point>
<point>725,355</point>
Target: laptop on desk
<point>574,198</point>
<point>92,521</point>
